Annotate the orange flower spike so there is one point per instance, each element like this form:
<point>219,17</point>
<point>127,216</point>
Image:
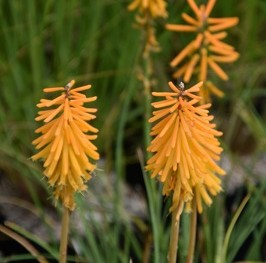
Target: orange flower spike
<point>185,147</point>
<point>207,48</point>
<point>65,147</point>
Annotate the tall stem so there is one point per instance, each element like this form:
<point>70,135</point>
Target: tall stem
<point>192,234</point>
<point>173,246</point>
<point>64,235</point>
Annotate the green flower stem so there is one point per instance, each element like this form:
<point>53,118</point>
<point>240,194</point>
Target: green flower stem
<point>174,234</point>
<point>192,233</point>
<point>64,235</point>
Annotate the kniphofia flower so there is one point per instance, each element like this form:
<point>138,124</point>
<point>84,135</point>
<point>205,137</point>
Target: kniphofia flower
<point>185,148</point>
<point>207,49</point>
<point>65,141</point>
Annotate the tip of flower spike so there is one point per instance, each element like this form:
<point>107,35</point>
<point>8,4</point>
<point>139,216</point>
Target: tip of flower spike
<point>70,84</point>
<point>181,87</point>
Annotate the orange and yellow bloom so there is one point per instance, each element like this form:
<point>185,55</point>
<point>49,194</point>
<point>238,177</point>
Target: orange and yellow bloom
<point>65,141</point>
<point>206,50</point>
<point>185,148</point>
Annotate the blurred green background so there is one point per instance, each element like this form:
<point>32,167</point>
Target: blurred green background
<point>49,42</point>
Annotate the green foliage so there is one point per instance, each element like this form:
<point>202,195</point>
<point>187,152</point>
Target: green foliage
<point>48,43</point>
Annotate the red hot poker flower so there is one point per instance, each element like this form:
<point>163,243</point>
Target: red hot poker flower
<point>185,147</point>
<point>65,141</point>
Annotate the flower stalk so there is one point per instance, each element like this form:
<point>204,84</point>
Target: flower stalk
<point>192,234</point>
<point>64,236</point>
<point>174,234</point>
